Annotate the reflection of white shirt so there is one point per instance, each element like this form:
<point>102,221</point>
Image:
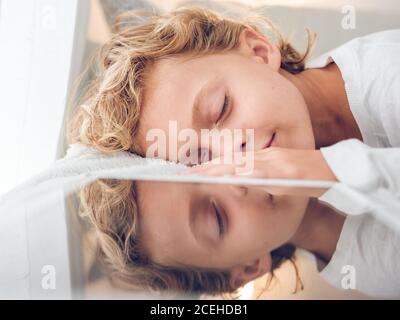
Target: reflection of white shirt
<point>368,254</point>
<point>369,172</point>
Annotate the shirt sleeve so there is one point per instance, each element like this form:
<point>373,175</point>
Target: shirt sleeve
<point>369,179</point>
<point>364,168</point>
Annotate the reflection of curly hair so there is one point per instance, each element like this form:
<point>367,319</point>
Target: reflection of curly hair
<point>108,116</point>
<point>111,206</point>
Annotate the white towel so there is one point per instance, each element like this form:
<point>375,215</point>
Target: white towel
<point>81,160</point>
<point>82,165</point>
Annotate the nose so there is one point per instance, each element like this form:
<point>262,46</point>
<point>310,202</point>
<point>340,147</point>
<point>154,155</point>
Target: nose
<point>228,142</point>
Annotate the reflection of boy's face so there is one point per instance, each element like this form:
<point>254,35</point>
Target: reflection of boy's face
<point>179,225</point>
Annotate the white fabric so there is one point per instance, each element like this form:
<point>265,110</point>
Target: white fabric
<point>371,72</point>
<point>82,165</point>
<point>372,249</point>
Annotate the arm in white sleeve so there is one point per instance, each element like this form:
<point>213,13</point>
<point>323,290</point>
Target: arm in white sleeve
<point>364,168</point>
<point>369,179</point>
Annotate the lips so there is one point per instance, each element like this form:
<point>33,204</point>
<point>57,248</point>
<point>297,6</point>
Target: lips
<point>270,141</point>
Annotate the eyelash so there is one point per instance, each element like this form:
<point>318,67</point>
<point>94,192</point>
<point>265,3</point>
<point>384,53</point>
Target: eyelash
<point>224,108</point>
<point>223,111</point>
<point>219,219</point>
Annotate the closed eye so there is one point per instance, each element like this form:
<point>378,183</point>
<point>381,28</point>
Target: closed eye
<point>224,108</point>
<point>219,219</point>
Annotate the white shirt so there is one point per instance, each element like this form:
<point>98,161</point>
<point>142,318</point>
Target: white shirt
<point>369,172</point>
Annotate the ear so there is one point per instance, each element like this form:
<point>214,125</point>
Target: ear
<point>260,48</point>
<point>242,274</point>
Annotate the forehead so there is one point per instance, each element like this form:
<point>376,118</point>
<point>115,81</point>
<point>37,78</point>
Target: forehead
<point>172,76</point>
<point>170,88</point>
<point>161,220</point>
<point>164,73</point>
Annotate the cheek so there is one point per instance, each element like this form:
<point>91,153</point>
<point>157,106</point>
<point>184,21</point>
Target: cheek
<point>288,103</point>
<point>289,213</point>
<point>260,103</point>
<point>257,227</point>
<point>252,227</point>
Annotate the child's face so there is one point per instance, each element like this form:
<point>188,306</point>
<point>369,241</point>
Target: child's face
<point>179,225</point>
<point>261,97</point>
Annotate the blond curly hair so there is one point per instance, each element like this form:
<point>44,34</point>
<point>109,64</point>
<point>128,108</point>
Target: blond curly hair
<point>107,119</point>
